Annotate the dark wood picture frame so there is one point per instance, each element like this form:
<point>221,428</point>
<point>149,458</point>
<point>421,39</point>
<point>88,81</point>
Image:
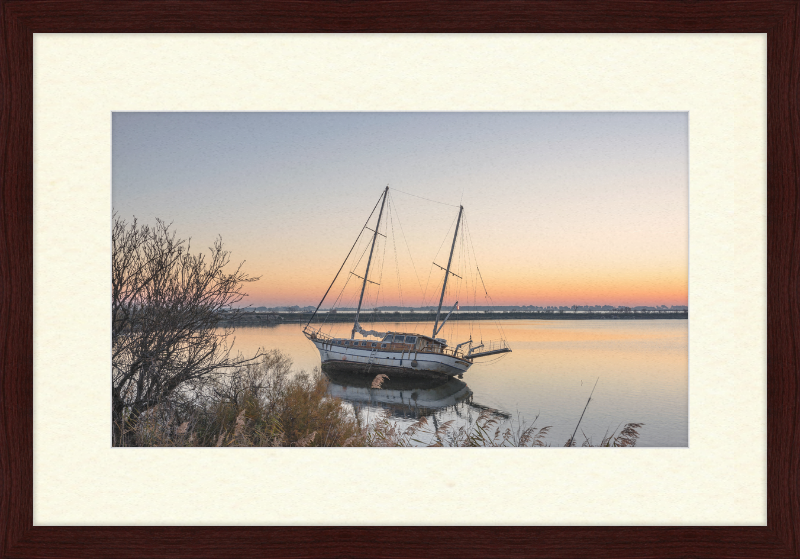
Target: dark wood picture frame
<point>780,20</point>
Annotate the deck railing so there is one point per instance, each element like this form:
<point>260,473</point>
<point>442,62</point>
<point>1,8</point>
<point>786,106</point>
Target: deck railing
<point>316,334</point>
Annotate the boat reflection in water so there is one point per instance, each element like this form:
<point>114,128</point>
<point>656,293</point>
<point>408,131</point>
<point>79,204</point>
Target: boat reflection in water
<point>405,397</point>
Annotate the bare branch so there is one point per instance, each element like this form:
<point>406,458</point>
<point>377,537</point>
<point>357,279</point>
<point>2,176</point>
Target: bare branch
<point>166,305</point>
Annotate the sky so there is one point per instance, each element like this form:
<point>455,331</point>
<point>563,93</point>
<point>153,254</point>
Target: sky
<point>560,208</point>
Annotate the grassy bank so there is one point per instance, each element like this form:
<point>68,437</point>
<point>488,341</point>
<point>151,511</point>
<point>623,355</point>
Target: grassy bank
<point>267,404</point>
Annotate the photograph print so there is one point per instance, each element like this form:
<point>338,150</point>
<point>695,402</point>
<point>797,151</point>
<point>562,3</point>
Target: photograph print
<point>437,279</point>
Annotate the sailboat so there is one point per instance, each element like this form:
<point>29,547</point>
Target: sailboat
<point>399,353</point>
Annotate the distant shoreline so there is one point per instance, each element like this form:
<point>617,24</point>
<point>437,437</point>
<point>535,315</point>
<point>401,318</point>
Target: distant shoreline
<point>266,318</point>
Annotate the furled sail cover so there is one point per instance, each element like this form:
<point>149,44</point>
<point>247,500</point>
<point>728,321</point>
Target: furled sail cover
<point>366,333</point>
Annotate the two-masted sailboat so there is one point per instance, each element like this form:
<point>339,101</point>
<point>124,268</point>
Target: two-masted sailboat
<point>399,353</point>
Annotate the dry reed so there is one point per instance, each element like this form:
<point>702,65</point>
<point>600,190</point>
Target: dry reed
<point>266,404</point>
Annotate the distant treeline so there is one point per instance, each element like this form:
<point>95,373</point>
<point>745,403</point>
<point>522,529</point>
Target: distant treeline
<point>513,308</point>
<point>257,318</point>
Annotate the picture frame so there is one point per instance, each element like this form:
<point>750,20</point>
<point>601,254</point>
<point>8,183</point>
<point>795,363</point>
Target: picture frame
<point>779,20</point>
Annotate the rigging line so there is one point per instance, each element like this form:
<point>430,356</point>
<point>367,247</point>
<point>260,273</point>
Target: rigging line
<point>462,284</point>
<point>327,316</point>
<point>339,299</point>
<point>343,263</point>
<point>378,263</point>
<point>347,301</point>
<point>377,296</point>
<point>470,275</point>
<point>466,269</point>
<point>425,294</point>
<point>475,260</point>
<point>390,231</point>
<point>437,284</point>
<point>378,293</point>
<point>458,284</point>
<point>472,245</point>
<point>399,277</point>
<point>363,252</point>
<point>349,277</point>
<point>360,258</point>
<point>475,292</point>
<point>495,360</point>
<point>490,299</point>
<point>471,279</point>
<point>383,262</point>
<point>396,264</point>
<point>351,301</point>
<point>370,296</point>
<point>475,273</point>
<point>397,214</point>
<point>446,236</point>
<point>420,197</point>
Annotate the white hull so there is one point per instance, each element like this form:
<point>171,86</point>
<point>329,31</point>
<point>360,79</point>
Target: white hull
<point>408,362</point>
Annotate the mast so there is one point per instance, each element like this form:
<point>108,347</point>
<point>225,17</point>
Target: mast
<point>366,273</point>
<point>447,272</point>
<point>343,263</point>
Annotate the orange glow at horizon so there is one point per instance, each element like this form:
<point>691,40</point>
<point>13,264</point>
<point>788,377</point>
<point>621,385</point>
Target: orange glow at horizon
<point>559,209</point>
<point>668,286</point>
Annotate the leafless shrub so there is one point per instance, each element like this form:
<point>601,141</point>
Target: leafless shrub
<point>166,309</point>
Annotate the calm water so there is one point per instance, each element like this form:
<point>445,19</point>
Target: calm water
<point>642,367</point>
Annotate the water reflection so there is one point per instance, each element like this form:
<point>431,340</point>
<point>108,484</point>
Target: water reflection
<point>406,397</point>
<point>642,365</point>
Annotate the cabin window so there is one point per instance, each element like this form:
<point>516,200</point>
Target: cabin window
<point>411,339</point>
<point>399,339</point>
<point>383,345</point>
<point>374,344</point>
<point>388,338</point>
<point>364,343</point>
